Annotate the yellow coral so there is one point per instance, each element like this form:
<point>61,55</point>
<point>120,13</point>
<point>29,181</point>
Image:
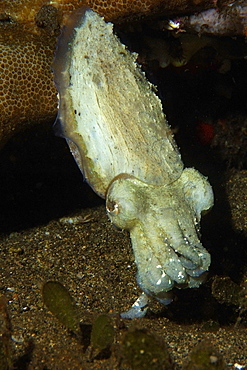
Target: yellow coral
<point>27,92</point>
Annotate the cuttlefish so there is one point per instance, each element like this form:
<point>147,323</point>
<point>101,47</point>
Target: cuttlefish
<point>115,127</point>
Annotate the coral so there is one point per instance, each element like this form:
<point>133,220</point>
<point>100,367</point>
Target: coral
<point>28,31</point>
<point>27,93</point>
<point>230,21</point>
<point>25,10</point>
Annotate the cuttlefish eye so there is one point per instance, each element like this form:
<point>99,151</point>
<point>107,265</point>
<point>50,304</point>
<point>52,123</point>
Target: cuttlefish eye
<point>122,205</point>
<point>112,208</point>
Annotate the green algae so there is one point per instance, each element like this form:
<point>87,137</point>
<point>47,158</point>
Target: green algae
<point>59,301</point>
<point>145,351</point>
<point>204,356</point>
<point>102,335</point>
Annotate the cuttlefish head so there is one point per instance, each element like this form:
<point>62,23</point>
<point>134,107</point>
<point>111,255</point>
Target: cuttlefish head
<point>163,222</point>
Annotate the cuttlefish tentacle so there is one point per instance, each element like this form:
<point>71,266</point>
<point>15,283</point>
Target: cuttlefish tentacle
<point>116,129</point>
<point>168,252</point>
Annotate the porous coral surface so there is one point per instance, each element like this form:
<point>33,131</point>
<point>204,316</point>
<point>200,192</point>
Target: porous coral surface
<point>27,93</point>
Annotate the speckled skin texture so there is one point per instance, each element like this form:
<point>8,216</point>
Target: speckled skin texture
<point>118,134</point>
<point>164,226</point>
<point>31,28</point>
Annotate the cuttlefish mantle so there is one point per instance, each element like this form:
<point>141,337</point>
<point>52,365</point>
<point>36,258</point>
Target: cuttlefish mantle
<point>116,129</point>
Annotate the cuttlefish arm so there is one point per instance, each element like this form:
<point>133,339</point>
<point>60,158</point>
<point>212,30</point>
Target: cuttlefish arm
<point>163,222</point>
<point>116,129</point>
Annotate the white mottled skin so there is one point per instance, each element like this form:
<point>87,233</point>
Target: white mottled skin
<point>116,129</point>
<point>164,229</point>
